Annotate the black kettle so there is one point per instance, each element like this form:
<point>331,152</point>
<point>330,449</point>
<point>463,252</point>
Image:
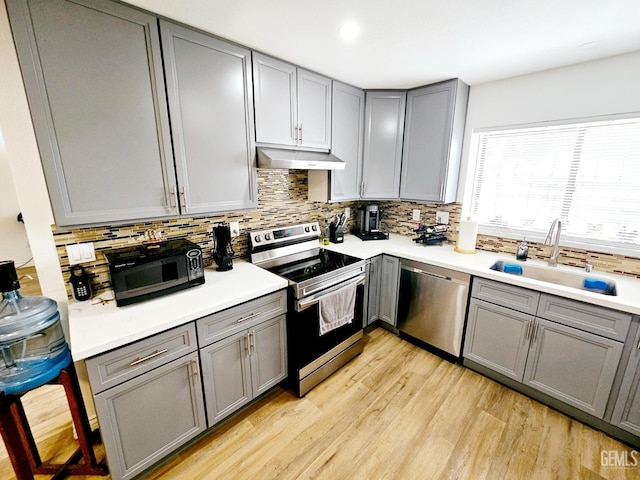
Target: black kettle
<point>222,249</point>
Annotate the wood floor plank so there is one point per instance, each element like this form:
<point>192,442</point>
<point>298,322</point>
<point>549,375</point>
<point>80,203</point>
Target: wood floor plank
<point>394,412</point>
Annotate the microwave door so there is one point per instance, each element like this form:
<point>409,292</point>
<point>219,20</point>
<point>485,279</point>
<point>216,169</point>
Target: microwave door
<point>151,277</point>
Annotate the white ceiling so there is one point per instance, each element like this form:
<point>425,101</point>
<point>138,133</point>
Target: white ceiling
<point>406,43</point>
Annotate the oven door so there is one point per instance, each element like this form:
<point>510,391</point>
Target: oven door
<point>305,344</point>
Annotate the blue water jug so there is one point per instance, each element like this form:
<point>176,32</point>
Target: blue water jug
<point>33,349</point>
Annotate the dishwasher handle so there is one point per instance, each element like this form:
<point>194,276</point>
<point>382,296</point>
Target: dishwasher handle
<point>437,276</point>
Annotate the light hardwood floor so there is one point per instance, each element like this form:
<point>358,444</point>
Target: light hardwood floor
<point>395,412</point>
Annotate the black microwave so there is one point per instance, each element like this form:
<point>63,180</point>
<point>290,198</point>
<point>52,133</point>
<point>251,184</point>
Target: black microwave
<point>147,271</point>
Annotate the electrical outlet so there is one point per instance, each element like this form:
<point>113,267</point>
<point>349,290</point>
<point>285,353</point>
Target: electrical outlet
<point>442,218</point>
<point>235,229</point>
<point>416,215</point>
<point>347,212</point>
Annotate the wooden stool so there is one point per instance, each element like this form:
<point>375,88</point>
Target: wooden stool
<point>22,448</point>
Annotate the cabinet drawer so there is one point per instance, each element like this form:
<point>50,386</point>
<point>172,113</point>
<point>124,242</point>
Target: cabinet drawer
<point>589,318</point>
<point>117,366</point>
<point>222,324</point>
<point>516,298</point>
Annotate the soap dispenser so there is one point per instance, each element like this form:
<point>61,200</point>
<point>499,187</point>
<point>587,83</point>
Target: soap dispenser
<point>523,250</point>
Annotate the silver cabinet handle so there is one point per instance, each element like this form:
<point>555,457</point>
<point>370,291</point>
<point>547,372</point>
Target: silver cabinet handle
<point>300,130</point>
<point>296,135</point>
<point>174,194</point>
<point>442,191</point>
<point>638,344</point>
<point>529,324</point>
<point>248,317</point>
<point>196,368</point>
<point>535,331</point>
<point>247,345</point>
<point>148,357</point>
<point>252,341</point>
<point>184,200</point>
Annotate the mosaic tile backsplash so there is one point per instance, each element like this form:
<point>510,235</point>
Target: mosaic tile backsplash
<point>282,200</point>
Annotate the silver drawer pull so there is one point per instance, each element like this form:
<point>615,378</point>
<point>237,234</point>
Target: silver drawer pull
<point>148,357</point>
<point>248,317</point>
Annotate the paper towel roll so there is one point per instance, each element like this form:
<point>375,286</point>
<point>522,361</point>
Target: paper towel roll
<point>467,236</point>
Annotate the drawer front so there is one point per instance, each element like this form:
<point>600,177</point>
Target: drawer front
<point>589,318</point>
<point>219,325</point>
<point>122,364</point>
<point>516,298</point>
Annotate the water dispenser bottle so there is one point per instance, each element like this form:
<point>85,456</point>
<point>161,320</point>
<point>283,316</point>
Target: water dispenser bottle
<point>32,345</point>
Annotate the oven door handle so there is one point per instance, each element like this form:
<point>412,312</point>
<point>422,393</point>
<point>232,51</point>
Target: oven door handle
<point>314,299</point>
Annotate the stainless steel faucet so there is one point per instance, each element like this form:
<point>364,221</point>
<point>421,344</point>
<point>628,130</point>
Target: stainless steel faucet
<point>553,259</point>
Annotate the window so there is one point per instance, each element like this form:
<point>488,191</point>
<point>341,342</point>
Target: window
<point>587,174</point>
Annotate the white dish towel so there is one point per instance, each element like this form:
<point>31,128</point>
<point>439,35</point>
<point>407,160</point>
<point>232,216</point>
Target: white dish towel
<point>337,308</point>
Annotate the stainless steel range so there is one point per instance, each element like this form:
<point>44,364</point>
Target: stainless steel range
<point>314,274</point>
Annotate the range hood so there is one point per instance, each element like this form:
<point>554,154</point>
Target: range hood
<point>282,158</point>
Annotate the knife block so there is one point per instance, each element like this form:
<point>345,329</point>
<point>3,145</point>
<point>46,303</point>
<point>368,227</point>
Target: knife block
<point>336,234</point>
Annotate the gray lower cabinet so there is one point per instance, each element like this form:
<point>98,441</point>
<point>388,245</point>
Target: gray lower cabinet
<point>372,303</point>
<point>550,355</point>
<point>626,413</point>
<point>209,88</point>
<point>137,384</point>
<point>433,134</point>
<point>292,105</point>
<point>97,98</point>
<point>389,289</point>
<point>347,138</point>
<point>383,134</point>
<point>243,366</point>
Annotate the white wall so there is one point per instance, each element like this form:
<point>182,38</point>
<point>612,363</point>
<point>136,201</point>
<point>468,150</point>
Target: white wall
<point>601,87</point>
<point>24,160</point>
<point>14,244</point>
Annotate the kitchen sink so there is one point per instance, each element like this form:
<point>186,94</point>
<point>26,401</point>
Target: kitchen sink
<point>579,280</point>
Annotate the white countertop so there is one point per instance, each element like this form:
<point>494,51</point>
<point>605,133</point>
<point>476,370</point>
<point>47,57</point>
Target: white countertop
<point>94,329</point>
<point>628,289</point>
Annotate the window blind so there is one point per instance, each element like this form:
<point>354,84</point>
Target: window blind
<point>587,174</point>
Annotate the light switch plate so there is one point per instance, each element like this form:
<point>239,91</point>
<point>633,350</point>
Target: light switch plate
<point>416,214</point>
<point>347,212</point>
<point>81,253</point>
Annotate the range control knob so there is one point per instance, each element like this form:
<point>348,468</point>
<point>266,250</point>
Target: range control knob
<point>267,236</point>
<point>257,238</point>
<point>314,227</point>
<point>306,229</point>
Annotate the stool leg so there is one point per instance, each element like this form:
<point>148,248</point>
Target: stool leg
<point>11,436</point>
<point>71,385</point>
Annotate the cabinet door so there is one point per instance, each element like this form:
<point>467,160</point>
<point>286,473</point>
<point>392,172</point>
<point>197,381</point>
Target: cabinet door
<point>93,76</point>
<point>314,110</point>
<point>626,413</point>
<point>209,90</point>
<point>389,285</point>
<point>384,128</point>
<point>498,338</point>
<point>573,366</point>
<point>226,376</point>
<point>268,354</point>
<point>275,100</point>
<point>373,281</point>
<point>347,141</point>
<point>434,128</point>
<point>144,419</point>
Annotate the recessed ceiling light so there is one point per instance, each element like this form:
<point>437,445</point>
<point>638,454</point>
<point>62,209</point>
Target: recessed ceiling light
<point>588,45</point>
<point>349,30</point>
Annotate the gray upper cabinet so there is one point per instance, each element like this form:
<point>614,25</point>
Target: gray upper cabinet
<point>626,413</point>
<point>209,90</point>
<point>93,75</point>
<point>292,105</point>
<point>434,129</point>
<point>347,137</point>
<point>384,128</point>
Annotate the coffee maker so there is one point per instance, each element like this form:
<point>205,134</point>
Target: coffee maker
<point>222,250</point>
<point>368,225</point>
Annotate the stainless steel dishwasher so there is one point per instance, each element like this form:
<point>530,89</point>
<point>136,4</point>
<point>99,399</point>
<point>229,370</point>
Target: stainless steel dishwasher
<point>432,305</point>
